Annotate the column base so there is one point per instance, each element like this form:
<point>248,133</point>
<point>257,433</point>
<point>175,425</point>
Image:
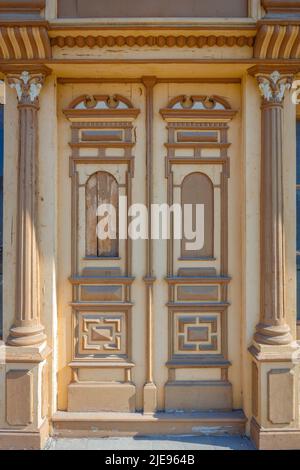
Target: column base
<point>150,398</point>
<point>275,396</point>
<point>22,440</point>
<point>274,439</point>
<point>26,336</point>
<point>276,335</point>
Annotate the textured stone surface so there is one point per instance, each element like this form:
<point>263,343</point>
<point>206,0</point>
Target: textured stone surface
<point>153,443</point>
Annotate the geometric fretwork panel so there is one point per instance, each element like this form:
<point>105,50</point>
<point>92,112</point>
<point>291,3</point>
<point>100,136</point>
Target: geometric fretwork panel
<point>196,333</point>
<point>101,334</point>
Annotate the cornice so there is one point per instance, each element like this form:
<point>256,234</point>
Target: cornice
<point>34,40</point>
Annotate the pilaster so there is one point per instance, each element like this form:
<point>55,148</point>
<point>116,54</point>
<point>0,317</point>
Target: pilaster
<point>25,356</point>
<point>275,354</point>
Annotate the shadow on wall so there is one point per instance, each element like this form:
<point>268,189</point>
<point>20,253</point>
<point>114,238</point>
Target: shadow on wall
<point>1,212</point>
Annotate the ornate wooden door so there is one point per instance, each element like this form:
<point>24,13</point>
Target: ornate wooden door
<point>145,322</point>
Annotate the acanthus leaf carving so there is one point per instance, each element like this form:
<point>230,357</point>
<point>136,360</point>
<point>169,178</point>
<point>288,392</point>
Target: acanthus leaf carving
<point>27,86</point>
<point>274,86</point>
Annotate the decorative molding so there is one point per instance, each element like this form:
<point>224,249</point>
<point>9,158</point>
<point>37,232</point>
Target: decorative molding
<point>274,86</point>
<point>27,86</point>
<point>208,108</point>
<point>21,9</point>
<point>100,107</point>
<point>277,41</point>
<point>22,5</point>
<point>281,7</point>
<point>152,41</point>
<point>24,42</point>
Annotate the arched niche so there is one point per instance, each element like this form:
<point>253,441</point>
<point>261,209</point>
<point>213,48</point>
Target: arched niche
<point>100,188</point>
<point>197,188</point>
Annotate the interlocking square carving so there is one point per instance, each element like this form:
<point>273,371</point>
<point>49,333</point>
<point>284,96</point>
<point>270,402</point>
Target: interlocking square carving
<point>101,334</point>
<point>196,333</point>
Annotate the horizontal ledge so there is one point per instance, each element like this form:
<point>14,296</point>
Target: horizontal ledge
<point>200,258</point>
<point>196,145</point>
<point>210,80</point>
<point>102,113</point>
<point>190,305</point>
<point>101,280</point>
<point>198,161</point>
<point>18,354</point>
<point>101,258</point>
<point>102,144</point>
<point>209,416</point>
<point>95,306</point>
<point>101,365</point>
<point>154,22</point>
<point>197,383</point>
<point>198,280</point>
<point>118,160</point>
<point>213,363</point>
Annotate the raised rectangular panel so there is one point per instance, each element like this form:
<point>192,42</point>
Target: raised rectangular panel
<point>254,389</point>
<point>197,374</point>
<point>101,397</point>
<point>197,293</point>
<point>210,153</point>
<point>19,397</point>
<point>113,152</point>
<point>100,375</point>
<point>185,136</point>
<point>88,152</point>
<point>101,136</point>
<point>45,392</point>
<point>101,272</point>
<point>184,152</point>
<point>191,396</point>
<point>281,396</point>
<point>197,272</point>
<point>101,293</point>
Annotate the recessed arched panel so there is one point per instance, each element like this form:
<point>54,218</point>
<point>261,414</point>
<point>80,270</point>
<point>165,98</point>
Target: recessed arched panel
<point>197,188</point>
<point>101,188</point>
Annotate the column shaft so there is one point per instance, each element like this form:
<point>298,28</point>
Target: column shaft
<point>272,328</point>
<point>27,329</point>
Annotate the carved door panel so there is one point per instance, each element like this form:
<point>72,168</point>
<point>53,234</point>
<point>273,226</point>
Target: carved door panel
<point>145,321</point>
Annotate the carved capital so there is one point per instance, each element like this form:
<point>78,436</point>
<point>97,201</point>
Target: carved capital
<point>28,86</point>
<point>274,86</point>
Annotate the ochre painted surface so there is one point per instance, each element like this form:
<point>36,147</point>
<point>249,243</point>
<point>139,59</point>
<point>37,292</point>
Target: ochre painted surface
<point>149,325</point>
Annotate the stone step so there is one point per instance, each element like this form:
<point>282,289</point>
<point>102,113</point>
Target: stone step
<point>211,423</point>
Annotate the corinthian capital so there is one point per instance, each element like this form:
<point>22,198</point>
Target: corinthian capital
<point>274,86</point>
<point>27,85</point>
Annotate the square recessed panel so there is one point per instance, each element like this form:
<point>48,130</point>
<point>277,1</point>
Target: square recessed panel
<point>100,334</point>
<point>196,333</point>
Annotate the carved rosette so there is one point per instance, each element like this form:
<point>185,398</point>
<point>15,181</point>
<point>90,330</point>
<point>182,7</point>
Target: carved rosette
<point>27,329</point>
<point>272,328</point>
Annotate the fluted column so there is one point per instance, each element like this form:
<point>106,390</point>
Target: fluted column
<point>27,329</point>
<point>272,328</point>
